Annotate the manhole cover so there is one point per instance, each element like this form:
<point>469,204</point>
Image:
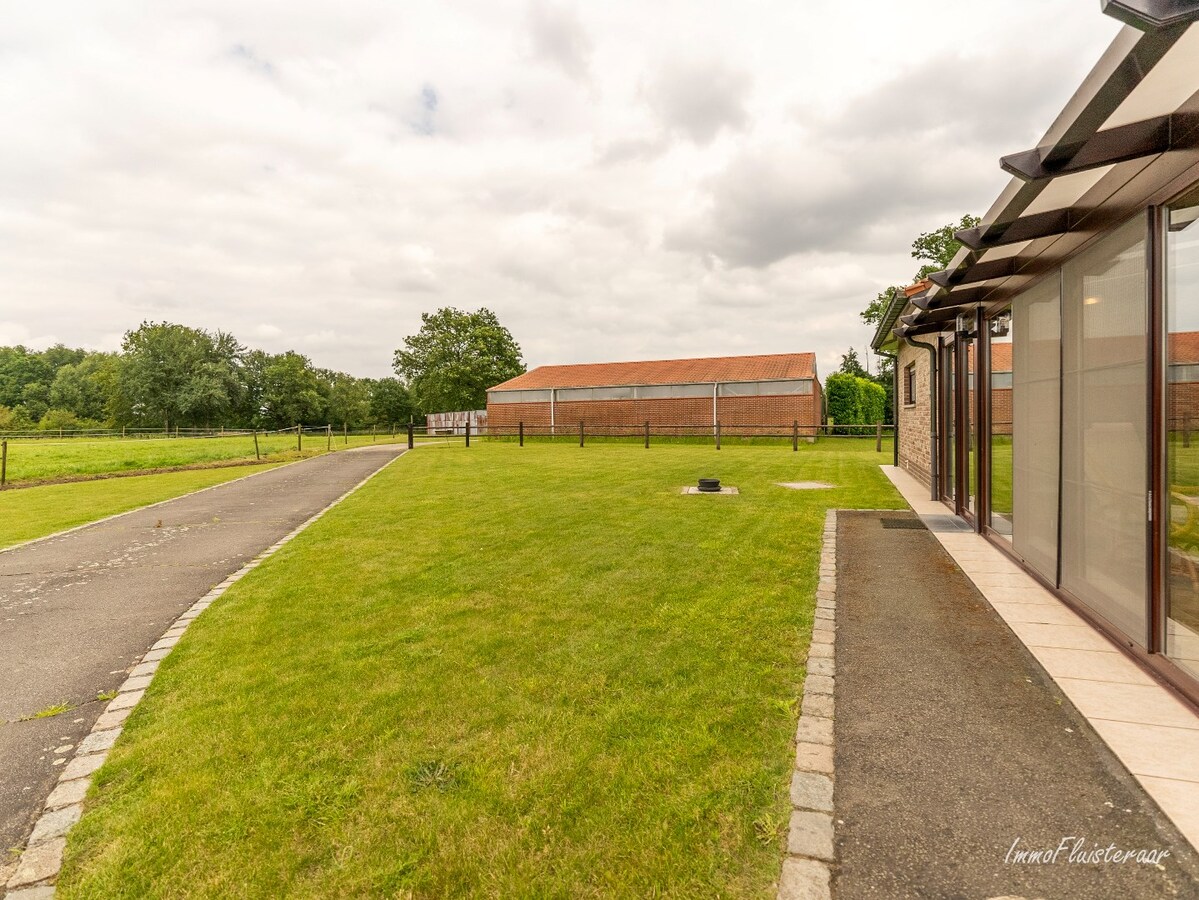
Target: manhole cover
<point>902,523</point>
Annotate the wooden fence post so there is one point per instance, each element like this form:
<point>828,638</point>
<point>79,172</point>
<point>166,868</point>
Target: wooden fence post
<point>522,433</point>
<point>257,455</point>
<point>410,441</point>
<point>328,437</point>
<point>794,435</point>
<point>580,433</point>
<point>299,439</point>
<point>468,431</point>
<point>345,433</point>
<point>647,434</point>
<point>878,437</point>
<point>718,435</point>
<point>3,462</point>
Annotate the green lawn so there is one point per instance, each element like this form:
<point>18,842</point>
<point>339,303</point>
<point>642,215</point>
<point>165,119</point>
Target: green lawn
<point>38,511</point>
<point>492,672</point>
<point>34,460</point>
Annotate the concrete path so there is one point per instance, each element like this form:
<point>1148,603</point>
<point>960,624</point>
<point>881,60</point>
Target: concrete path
<point>954,750</point>
<point>77,610</point>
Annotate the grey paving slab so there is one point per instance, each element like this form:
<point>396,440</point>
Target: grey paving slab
<point>78,612</point>
<point>953,747</point>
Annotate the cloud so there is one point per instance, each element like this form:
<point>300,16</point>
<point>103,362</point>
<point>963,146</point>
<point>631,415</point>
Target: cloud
<point>914,151</point>
<point>698,98</point>
<point>722,182</point>
<point>557,37</point>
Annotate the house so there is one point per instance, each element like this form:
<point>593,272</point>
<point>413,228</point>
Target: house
<point>1048,379</point>
<point>747,393</point>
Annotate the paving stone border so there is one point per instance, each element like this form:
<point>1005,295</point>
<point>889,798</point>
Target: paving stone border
<point>41,860</point>
<point>807,868</point>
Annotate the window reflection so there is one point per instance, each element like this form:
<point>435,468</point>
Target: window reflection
<point>999,334</point>
<point>1182,442</point>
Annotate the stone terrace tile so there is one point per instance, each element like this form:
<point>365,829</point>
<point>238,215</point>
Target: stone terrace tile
<point>1144,703</point>
<point>1148,729</point>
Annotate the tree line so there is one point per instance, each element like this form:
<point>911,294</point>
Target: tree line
<point>171,376</point>
<point>936,250</point>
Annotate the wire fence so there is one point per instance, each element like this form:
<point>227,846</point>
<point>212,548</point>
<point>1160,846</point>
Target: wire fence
<point>49,456</point>
<point>40,457</point>
<point>650,432</point>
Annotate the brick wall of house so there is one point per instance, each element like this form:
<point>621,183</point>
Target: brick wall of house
<point>777,412</point>
<point>914,456</point>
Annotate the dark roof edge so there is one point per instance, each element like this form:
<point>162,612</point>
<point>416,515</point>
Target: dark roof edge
<point>882,334</point>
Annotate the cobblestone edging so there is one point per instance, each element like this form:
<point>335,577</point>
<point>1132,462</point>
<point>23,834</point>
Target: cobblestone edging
<point>41,861</point>
<point>807,869</point>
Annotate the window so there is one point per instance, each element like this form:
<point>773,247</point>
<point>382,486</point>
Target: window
<point>672,391</point>
<point>598,393</point>
<point>1182,444</point>
<point>766,388</point>
<point>999,340</point>
<point>909,385</point>
<point>1104,428</point>
<point>1036,387</point>
<point>518,397</point>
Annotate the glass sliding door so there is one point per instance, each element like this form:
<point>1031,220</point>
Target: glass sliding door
<point>969,418</point>
<point>999,430</point>
<point>1105,428</point>
<point>1182,442</point>
<point>1036,423</point>
<point>948,422</point>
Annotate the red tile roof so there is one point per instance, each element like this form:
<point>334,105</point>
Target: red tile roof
<point>667,371</point>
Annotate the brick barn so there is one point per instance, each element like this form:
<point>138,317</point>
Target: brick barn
<point>771,392</point>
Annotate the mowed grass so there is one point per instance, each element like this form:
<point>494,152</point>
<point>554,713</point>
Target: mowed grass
<point>491,672</point>
<point>37,511</point>
<point>34,460</point>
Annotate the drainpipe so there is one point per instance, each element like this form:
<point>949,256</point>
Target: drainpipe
<point>894,357</point>
<point>553,393</point>
<point>715,385</point>
<point>932,414</point>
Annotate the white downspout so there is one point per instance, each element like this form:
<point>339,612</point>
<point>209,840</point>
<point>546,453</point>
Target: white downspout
<point>715,385</point>
<point>553,393</point>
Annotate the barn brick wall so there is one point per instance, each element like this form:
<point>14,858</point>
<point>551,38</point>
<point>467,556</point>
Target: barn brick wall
<point>777,412</point>
<point>1001,411</point>
<point>912,418</point>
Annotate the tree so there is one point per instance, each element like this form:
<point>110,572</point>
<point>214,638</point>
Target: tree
<point>938,248</point>
<point>455,357</point>
<point>84,387</point>
<point>349,400</point>
<point>851,365</point>
<point>175,375</point>
<point>391,402</point>
<point>291,391</point>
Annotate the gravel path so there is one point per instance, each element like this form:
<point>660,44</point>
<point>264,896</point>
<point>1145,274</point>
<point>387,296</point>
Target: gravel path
<point>955,752</point>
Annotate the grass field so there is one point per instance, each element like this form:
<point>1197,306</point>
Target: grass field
<point>544,672</point>
<point>45,509</point>
<point>35,460</point>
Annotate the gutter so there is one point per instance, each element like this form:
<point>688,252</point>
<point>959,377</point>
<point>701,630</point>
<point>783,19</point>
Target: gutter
<point>894,357</point>
<point>932,416</point>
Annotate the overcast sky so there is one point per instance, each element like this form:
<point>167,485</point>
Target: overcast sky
<point>617,180</point>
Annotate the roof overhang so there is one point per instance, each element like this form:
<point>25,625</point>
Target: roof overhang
<point>1128,136</point>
